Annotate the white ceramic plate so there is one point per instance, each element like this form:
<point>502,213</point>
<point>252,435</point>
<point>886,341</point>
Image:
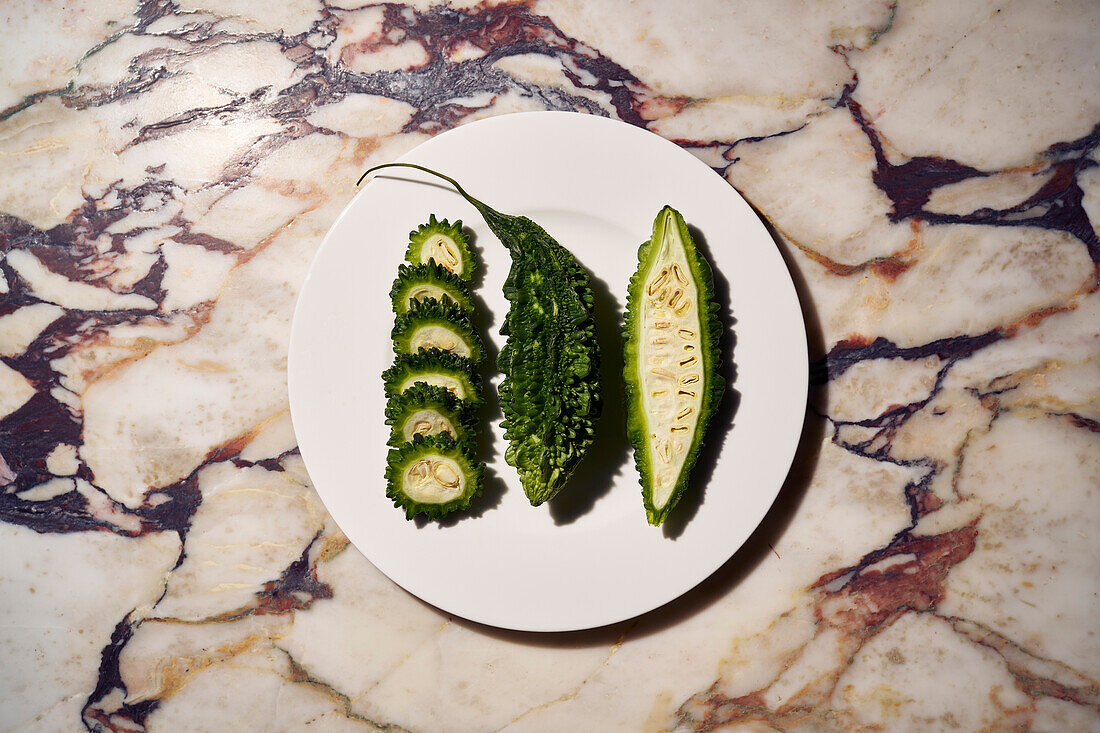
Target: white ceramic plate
<point>588,557</point>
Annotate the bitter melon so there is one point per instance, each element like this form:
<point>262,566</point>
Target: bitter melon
<point>434,367</point>
<point>550,395</point>
<point>425,409</point>
<point>444,243</point>
<point>432,475</point>
<point>434,324</point>
<point>425,282</point>
<point>670,361</point>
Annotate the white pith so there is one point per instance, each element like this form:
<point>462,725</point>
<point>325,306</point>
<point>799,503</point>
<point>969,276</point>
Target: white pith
<point>438,337</point>
<point>426,422</point>
<point>444,251</point>
<point>434,479</point>
<point>671,368</point>
<point>424,291</point>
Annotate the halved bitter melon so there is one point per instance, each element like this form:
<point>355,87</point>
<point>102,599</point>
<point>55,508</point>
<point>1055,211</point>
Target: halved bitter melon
<point>425,409</point>
<point>434,367</point>
<point>444,243</point>
<point>670,361</point>
<point>434,324</point>
<point>432,475</point>
<point>427,281</point>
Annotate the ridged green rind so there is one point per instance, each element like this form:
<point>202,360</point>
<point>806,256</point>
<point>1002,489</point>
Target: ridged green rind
<point>445,314</point>
<point>460,413</point>
<point>433,361</point>
<point>430,273</point>
<point>637,427</point>
<point>550,395</point>
<point>441,444</point>
<point>419,236</point>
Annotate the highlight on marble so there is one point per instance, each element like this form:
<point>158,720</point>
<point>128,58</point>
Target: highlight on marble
<point>930,173</point>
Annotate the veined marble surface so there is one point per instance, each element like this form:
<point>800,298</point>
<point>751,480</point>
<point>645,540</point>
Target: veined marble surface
<point>930,172</point>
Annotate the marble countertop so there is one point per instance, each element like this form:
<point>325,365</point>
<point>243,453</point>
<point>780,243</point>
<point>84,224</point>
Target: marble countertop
<point>929,171</point>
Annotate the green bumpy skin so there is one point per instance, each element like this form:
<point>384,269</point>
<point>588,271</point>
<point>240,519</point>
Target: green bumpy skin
<point>444,243</point>
<point>432,476</point>
<point>425,409</point>
<point>434,367</point>
<point>670,362</point>
<point>550,395</point>
<point>425,282</point>
<point>443,325</point>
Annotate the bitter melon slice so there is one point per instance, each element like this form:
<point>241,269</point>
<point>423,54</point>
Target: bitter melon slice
<point>434,324</point>
<point>426,282</point>
<point>425,409</point>
<point>434,367</point>
<point>444,243</point>
<point>670,361</point>
<point>432,475</point>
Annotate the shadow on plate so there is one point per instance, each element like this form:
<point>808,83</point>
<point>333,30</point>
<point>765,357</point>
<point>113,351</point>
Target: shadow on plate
<point>607,455</point>
<point>748,557</point>
<point>756,548</point>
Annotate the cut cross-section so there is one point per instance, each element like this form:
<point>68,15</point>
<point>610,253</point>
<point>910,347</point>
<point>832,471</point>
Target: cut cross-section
<point>436,368</point>
<point>432,475</point>
<point>426,410</point>
<point>444,243</point>
<point>433,324</point>
<point>427,282</point>
<point>671,360</point>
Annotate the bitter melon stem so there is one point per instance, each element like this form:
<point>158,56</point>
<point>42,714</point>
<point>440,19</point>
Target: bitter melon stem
<point>461,191</point>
